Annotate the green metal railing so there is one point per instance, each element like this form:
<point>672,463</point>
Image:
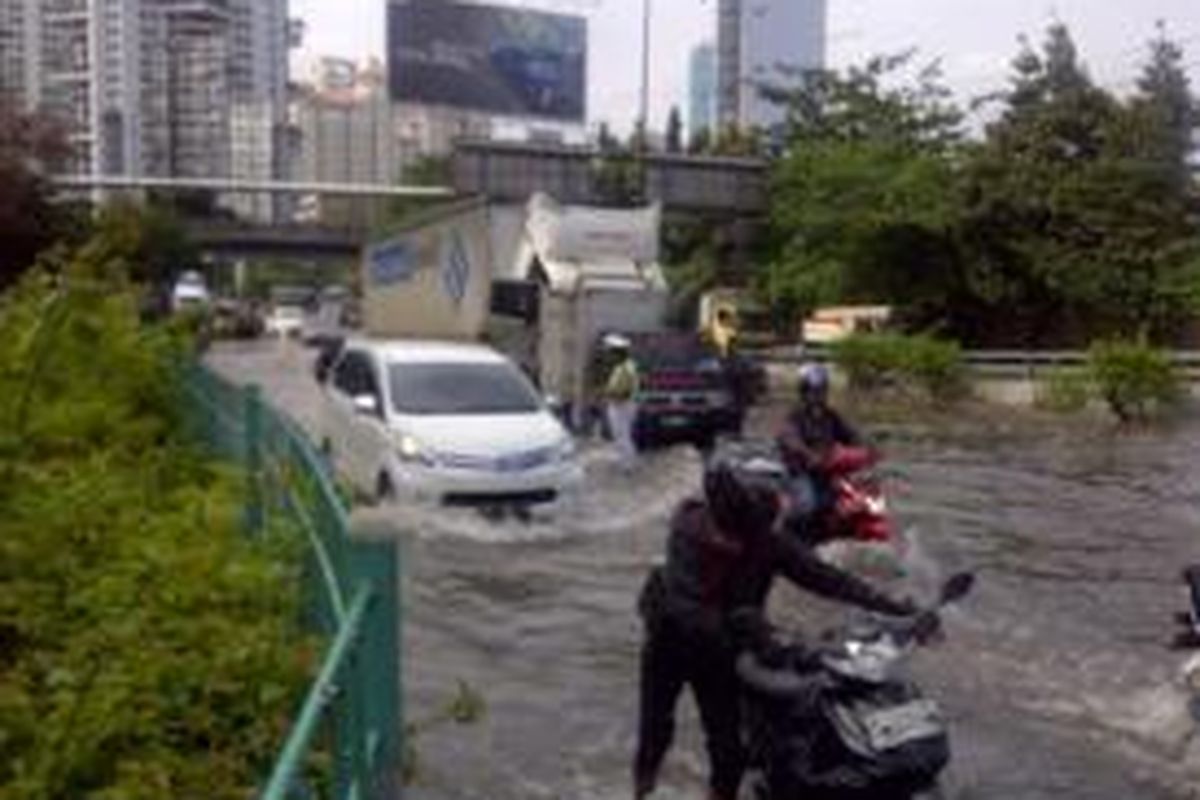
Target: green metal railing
<point>345,742</point>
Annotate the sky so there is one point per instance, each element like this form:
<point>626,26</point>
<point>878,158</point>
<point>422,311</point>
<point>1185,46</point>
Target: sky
<point>975,39</point>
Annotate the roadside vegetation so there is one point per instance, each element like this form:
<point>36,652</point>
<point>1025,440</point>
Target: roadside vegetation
<point>1135,381</point>
<point>1132,380</point>
<point>923,366</point>
<point>148,649</point>
<point>1072,216</point>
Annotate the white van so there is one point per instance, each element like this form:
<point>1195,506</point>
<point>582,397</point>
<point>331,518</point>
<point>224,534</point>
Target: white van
<point>190,293</point>
<point>457,424</point>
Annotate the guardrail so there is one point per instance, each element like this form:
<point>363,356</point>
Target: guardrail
<point>989,363</point>
<point>351,717</point>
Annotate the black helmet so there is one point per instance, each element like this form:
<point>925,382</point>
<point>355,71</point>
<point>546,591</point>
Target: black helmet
<point>742,503</point>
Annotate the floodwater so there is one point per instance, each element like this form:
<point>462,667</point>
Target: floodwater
<point>1055,672</point>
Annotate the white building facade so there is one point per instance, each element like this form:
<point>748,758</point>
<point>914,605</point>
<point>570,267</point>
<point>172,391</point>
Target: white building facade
<point>755,39</point>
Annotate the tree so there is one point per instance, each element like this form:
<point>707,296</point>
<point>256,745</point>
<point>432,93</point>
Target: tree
<point>1022,258</point>
<point>877,101</point>
<point>1069,230</point>
<point>149,242</point>
<point>1074,218</point>
<point>30,146</point>
<point>860,207</point>
<point>424,171</point>
<point>605,141</point>
<point>616,179</point>
<point>700,142</point>
<point>429,171</point>
<point>736,142</point>
<point>639,139</point>
<point>1165,97</point>
<point>674,131</point>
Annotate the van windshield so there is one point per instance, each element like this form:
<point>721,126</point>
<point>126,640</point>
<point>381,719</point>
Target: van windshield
<point>460,389</point>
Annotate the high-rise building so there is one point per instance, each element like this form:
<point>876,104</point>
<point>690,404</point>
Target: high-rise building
<point>345,121</point>
<point>192,88</point>
<point>262,143</point>
<point>199,51</point>
<point>702,89</point>
<point>12,51</point>
<point>755,39</point>
<point>351,131</point>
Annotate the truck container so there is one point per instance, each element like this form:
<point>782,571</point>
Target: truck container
<point>541,282</point>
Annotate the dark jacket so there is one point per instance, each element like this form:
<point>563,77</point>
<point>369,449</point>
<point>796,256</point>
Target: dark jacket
<point>709,575</point>
<point>810,433</point>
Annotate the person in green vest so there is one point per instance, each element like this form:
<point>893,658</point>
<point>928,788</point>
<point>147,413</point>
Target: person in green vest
<point>723,333</point>
<point>621,395</point>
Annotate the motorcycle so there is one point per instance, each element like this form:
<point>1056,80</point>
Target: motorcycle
<point>859,508</point>
<point>841,721</point>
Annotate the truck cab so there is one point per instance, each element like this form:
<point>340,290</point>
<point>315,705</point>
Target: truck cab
<point>686,395</point>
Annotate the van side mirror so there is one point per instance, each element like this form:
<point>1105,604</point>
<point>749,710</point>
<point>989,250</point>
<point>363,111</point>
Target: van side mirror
<point>367,405</point>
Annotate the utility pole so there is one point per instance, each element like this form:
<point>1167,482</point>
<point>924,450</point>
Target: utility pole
<point>644,110</point>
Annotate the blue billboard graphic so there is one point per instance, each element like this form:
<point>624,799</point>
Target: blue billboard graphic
<point>494,60</point>
<point>391,263</point>
<point>456,268</point>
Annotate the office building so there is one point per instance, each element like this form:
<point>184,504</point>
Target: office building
<point>198,41</point>
<point>423,131</point>
<point>189,88</point>
<point>755,38</point>
<point>702,89</point>
<point>345,121</point>
<point>351,131</point>
<point>12,51</point>
<point>263,144</point>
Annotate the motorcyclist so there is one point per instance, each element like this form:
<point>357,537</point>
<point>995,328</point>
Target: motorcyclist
<point>812,430</point>
<point>723,555</point>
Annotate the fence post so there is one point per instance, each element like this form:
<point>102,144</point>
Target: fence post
<point>379,671</point>
<point>253,414</point>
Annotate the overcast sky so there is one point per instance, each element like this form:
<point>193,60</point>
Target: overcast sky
<point>975,38</point>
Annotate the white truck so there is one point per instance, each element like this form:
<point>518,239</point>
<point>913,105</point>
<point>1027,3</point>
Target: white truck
<point>541,283</point>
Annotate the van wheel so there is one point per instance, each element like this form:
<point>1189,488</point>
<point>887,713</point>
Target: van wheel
<point>385,492</point>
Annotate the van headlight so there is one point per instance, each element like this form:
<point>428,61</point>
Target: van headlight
<point>411,451</point>
<point>565,450</point>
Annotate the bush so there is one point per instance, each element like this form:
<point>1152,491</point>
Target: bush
<point>1065,390</point>
<point>923,363</point>
<point>147,648</point>
<point>1136,380</point>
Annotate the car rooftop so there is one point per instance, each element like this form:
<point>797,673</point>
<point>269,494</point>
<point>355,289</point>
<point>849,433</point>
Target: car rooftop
<point>427,352</point>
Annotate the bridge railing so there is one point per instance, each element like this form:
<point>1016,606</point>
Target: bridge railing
<point>346,739</point>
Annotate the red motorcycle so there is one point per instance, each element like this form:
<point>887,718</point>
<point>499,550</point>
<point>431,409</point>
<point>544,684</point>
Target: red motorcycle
<point>858,510</point>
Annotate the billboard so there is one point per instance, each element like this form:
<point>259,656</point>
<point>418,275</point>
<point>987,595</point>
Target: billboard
<point>494,60</point>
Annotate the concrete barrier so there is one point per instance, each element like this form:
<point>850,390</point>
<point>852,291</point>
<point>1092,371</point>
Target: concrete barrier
<point>1005,377</point>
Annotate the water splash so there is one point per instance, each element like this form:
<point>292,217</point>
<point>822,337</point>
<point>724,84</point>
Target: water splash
<point>611,501</point>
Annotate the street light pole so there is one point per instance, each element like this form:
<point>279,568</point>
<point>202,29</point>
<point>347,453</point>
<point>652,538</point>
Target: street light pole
<point>644,111</point>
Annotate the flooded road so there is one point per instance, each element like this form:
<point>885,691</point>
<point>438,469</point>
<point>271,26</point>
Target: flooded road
<point>1055,672</point>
